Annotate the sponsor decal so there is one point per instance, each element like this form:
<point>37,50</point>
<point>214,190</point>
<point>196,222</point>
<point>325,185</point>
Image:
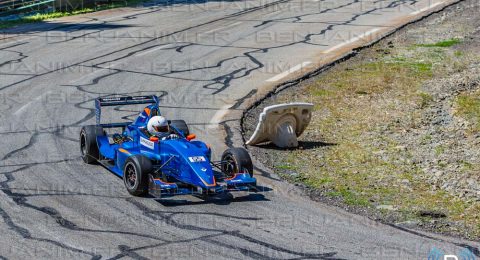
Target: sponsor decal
<point>111,99</point>
<point>147,143</point>
<point>197,159</point>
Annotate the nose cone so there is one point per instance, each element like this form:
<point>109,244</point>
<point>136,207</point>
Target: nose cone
<point>203,173</point>
<point>196,165</point>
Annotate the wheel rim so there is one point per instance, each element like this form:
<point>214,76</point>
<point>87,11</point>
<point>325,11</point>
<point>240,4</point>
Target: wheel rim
<point>230,167</point>
<point>130,175</point>
<point>83,144</point>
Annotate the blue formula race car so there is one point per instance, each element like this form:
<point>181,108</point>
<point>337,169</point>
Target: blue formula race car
<point>162,166</point>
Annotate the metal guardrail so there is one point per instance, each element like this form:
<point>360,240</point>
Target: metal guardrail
<point>14,9</point>
<point>18,6</point>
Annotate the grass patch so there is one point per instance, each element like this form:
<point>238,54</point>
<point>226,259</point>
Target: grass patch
<point>42,17</point>
<point>361,104</point>
<point>442,44</point>
<point>321,92</point>
<point>351,198</point>
<point>39,17</point>
<point>426,99</point>
<point>286,167</point>
<point>439,150</point>
<point>468,106</point>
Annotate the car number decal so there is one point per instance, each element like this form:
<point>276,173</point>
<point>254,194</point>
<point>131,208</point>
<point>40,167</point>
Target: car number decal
<point>197,159</point>
<point>147,143</point>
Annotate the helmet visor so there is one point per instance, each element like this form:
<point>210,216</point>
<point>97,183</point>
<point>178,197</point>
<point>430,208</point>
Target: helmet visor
<point>161,129</point>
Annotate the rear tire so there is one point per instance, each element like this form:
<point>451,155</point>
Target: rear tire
<point>135,174</point>
<point>236,160</point>
<point>88,143</point>
<point>180,125</point>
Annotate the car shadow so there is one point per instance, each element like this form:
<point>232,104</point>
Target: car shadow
<point>225,198</point>
<point>219,199</point>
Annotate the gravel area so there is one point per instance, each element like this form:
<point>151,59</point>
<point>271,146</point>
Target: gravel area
<point>413,133</point>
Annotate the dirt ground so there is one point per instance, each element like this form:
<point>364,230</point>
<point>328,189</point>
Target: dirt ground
<point>395,132</point>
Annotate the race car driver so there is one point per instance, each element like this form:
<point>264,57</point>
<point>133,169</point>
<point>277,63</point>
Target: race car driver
<point>158,126</point>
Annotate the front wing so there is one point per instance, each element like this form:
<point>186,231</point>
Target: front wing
<point>240,182</point>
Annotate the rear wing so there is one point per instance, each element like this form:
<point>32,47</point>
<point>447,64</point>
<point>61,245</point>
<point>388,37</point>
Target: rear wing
<point>118,101</point>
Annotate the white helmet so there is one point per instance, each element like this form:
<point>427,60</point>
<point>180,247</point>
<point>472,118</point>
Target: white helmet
<point>157,125</point>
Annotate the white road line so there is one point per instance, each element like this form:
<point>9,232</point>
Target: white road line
<point>233,24</point>
<point>115,64</point>
<point>217,118</point>
<point>222,28</point>
<point>24,107</point>
<point>352,40</point>
<point>286,73</point>
<point>426,8</point>
<point>153,50</point>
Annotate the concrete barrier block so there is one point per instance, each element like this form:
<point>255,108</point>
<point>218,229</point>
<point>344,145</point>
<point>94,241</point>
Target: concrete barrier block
<point>281,124</point>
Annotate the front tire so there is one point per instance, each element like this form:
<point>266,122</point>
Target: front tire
<point>88,143</point>
<point>236,160</point>
<point>135,174</point>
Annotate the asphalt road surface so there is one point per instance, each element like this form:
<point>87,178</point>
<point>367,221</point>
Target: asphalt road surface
<point>207,60</point>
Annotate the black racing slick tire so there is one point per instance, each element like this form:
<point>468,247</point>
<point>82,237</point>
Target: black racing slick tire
<point>180,125</point>
<point>88,143</point>
<point>135,174</point>
<point>236,160</point>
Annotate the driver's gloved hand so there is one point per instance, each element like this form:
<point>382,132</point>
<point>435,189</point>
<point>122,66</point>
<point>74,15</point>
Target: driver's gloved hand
<point>173,136</point>
<point>117,138</point>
